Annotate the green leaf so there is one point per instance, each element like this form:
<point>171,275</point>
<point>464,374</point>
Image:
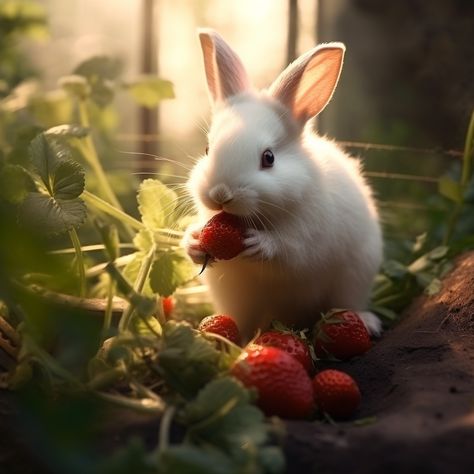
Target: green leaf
<point>45,156</point>
<point>149,91</point>
<point>450,189</point>
<point>438,253</point>
<point>190,459</point>
<point>394,269</point>
<point>171,270</point>
<point>104,67</point>
<point>15,183</point>
<point>52,108</point>
<point>76,85</point>
<point>143,240</point>
<point>52,216</point>
<point>434,287</point>
<point>130,272</point>
<point>215,397</point>
<point>223,416</point>
<point>157,204</point>
<point>188,360</point>
<point>67,130</point>
<point>55,207</point>
<point>67,181</point>
<point>100,72</point>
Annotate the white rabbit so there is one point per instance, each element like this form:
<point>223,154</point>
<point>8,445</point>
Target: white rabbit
<point>314,241</point>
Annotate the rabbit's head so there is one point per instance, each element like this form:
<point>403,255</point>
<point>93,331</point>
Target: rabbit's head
<point>256,164</point>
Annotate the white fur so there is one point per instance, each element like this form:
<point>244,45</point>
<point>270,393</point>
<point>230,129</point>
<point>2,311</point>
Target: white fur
<point>314,241</point>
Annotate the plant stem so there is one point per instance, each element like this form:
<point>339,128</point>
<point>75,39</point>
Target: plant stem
<point>138,287</point>
<point>90,154</point>
<point>464,182</point>
<point>79,261</point>
<point>143,405</point>
<point>165,427</point>
<point>108,309</point>
<point>111,210</point>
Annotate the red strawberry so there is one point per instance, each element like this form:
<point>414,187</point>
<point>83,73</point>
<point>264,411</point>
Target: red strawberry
<point>168,306</point>
<point>283,386</point>
<point>336,393</point>
<point>222,236</point>
<point>223,325</point>
<point>290,343</point>
<point>342,334</point>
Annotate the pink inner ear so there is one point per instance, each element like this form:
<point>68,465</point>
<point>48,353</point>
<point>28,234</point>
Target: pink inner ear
<point>225,73</point>
<point>317,85</point>
<point>307,85</point>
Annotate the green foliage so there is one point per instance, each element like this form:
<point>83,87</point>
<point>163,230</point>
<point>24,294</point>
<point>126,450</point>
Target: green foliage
<point>18,19</point>
<point>187,359</point>
<point>149,91</point>
<point>55,206</point>
<point>171,270</point>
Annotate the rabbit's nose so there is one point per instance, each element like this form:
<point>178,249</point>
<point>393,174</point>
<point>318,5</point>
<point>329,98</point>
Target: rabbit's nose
<point>221,194</point>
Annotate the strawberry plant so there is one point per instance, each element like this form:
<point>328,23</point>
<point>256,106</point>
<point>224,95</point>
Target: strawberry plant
<point>86,302</point>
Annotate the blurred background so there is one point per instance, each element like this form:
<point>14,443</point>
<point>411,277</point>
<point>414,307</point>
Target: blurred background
<point>407,80</point>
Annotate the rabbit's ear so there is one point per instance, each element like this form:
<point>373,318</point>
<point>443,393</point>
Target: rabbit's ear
<point>225,73</point>
<point>307,84</point>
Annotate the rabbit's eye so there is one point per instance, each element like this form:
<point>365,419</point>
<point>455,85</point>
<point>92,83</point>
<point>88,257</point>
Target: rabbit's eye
<point>267,159</point>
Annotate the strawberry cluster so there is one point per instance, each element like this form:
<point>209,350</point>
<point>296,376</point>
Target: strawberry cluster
<point>280,367</point>
<point>279,364</point>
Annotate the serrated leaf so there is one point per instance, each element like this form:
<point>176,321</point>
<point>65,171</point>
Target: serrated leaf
<point>68,180</point>
<point>45,156</point>
<point>215,396</point>
<point>156,203</point>
<point>57,208</point>
<point>15,183</point>
<point>223,416</point>
<point>143,240</point>
<point>149,91</point>
<point>171,270</point>
<point>52,216</point>
<point>450,189</point>
<point>68,130</point>
<point>188,361</point>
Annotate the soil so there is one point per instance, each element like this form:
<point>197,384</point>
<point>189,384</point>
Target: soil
<point>418,384</point>
<point>417,412</point>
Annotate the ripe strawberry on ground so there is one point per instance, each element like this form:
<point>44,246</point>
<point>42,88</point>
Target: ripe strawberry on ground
<point>336,393</point>
<point>223,325</point>
<point>290,343</point>
<point>342,334</point>
<point>223,236</point>
<point>283,386</point>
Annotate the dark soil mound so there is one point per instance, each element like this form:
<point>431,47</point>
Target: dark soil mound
<point>418,383</point>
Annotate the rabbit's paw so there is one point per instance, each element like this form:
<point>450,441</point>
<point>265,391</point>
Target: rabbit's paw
<point>192,246</point>
<point>259,245</point>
